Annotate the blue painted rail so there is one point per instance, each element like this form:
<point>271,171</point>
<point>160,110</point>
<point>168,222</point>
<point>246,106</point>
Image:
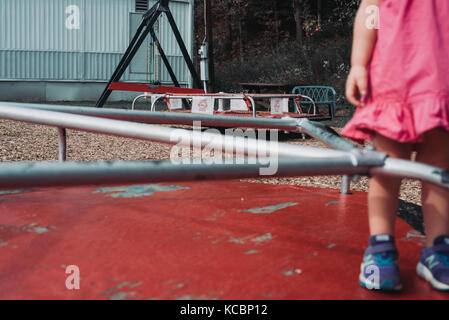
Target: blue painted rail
<point>320,95</point>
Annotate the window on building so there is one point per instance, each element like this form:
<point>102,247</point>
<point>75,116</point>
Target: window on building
<point>141,5</point>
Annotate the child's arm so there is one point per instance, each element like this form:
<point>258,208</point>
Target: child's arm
<point>362,49</point>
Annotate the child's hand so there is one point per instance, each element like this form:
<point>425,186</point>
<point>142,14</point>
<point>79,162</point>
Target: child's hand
<point>357,86</point>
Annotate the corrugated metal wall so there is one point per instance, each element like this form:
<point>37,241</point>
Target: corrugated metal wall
<point>36,45</point>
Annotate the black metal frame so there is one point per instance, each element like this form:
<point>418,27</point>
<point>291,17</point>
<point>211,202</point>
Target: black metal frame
<point>145,28</point>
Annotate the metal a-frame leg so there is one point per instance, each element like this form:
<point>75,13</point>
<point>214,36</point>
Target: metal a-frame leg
<point>167,64</point>
<point>144,29</point>
<point>196,78</point>
<point>164,58</point>
<point>131,51</point>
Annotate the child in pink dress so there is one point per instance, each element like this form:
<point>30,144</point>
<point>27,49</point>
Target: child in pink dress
<point>399,82</point>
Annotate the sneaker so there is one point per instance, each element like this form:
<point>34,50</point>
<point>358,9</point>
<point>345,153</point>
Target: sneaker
<point>380,268</point>
<point>434,264</point>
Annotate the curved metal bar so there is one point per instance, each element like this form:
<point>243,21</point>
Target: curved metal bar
<point>153,104</point>
<point>137,98</point>
<point>415,170</point>
<point>313,103</point>
<point>253,104</point>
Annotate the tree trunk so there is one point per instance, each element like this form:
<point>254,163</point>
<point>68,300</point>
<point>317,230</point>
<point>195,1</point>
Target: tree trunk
<point>210,41</point>
<point>240,28</point>
<point>276,22</point>
<point>228,33</point>
<point>319,8</point>
<point>298,13</point>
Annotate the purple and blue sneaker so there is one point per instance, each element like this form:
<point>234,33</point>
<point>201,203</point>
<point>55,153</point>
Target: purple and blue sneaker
<point>380,267</point>
<point>434,264</point>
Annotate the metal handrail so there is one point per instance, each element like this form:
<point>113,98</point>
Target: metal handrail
<point>318,160</point>
<point>243,96</point>
<point>217,96</point>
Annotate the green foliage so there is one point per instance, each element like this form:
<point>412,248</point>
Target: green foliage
<point>323,63</point>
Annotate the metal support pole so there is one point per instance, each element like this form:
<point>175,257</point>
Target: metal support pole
<point>164,58</point>
<point>126,59</point>
<point>62,144</point>
<point>167,63</point>
<point>285,124</point>
<point>204,68</point>
<point>50,174</point>
<point>146,26</point>
<point>210,47</point>
<point>106,93</point>
<point>345,184</point>
<point>188,60</point>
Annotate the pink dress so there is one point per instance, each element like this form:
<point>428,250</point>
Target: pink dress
<point>408,73</point>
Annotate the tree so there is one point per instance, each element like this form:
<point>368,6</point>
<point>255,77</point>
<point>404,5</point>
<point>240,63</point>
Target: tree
<point>298,8</point>
<point>296,40</point>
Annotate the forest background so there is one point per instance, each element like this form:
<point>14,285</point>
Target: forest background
<point>300,42</point>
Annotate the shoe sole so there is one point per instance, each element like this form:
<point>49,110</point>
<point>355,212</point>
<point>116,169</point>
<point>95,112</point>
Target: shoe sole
<point>426,274</point>
<point>381,287</point>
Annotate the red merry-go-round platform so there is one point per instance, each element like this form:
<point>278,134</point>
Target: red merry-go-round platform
<point>195,240</point>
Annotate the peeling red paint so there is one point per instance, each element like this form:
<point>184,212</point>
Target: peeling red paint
<point>174,245</point>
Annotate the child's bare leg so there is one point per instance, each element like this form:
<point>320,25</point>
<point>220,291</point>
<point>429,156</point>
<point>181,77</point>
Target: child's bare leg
<point>383,190</point>
<point>435,200</point>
